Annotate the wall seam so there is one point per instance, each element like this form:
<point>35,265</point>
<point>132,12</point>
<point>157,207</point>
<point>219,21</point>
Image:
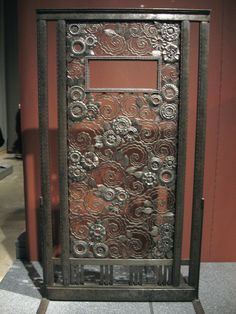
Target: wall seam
<point>218,133</point>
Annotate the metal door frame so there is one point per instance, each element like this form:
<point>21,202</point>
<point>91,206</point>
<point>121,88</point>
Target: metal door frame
<point>182,289</point>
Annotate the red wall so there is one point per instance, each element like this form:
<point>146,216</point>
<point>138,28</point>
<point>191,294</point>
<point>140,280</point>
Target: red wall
<point>219,235</point>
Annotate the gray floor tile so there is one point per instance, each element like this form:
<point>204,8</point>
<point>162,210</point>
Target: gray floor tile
<point>12,211</point>
<point>218,288</point>
<point>98,307</point>
<point>173,308</point>
<point>16,303</point>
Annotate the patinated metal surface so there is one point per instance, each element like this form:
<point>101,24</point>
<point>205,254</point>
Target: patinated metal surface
<point>122,157</point>
<point>122,146</point>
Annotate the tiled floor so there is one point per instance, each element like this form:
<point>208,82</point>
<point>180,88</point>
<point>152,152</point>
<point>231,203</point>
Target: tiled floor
<point>12,212</point>
<point>19,293</point>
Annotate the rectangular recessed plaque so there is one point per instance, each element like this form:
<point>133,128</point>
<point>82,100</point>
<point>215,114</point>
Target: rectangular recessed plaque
<point>122,74</point>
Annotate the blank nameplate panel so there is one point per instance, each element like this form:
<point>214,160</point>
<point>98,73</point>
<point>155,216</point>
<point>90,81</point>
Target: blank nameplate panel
<point>122,73</point>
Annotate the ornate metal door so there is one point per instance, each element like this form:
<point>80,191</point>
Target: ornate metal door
<point>122,96</point>
<point>122,143</point>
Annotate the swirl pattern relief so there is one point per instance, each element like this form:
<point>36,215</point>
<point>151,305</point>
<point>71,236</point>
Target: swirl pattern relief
<point>122,145</point>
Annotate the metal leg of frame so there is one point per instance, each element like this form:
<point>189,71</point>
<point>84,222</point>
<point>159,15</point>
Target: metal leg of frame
<point>198,306</point>
<point>45,174</point>
<point>62,149</point>
<point>182,129</point>
<point>198,201</point>
<point>42,309</point>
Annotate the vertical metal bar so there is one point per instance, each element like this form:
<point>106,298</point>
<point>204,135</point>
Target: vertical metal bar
<point>72,274</point>
<point>141,275</point>
<point>170,276</point>
<point>106,274</point>
<point>182,130</point>
<point>111,274</point>
<point>197,207</point>
<point>160,275</point>
<point>77,270</point>
<point>136,275</point>
<point>101,275</point>
<point>44,151</point>
<point>131,276</point>
<point>156,276</point>
<point>165,273</point>
<point>82,274</point>
<point>62,149</point>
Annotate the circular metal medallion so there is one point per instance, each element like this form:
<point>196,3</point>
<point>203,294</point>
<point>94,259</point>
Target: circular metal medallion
<point>121,125</point>
<point>100,250</point>
<point>169,162</point>
<point>74,156</point>
<point>170,92</point>
<point>150,179</point>
<point>167,176</point>
<point>80,248</point>
<point>168,111</point>
<point>155,163</point>
<point>77,93</point>
<point>77,110</point>
<point>170,32</point>
<point>89,160</point>
<point>111,139</point>
<point>92,111</point>
<point>156,99</point>
<point>170,53</point>
<point>74,29</point>
<point>78,46</point>
<point>108,194</point>
<point>77,173</point>
<point>97,232</point>
<point>91,40</point>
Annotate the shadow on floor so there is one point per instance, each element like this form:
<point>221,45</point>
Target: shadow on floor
<point>24,278</point>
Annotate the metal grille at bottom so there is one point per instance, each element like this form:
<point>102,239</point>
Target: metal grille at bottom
<point>108,275</point>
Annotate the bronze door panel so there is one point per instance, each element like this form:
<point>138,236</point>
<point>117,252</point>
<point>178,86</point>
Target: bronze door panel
<point>122,144</point>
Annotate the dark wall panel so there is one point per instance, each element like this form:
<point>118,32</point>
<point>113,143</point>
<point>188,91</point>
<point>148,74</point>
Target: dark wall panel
<point>3,110</point>
<point>223,235</point>
<point>12,71</point>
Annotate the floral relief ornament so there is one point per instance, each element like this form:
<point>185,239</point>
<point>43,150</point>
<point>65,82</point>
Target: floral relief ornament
<point>149,179</point>
<point>79,110</point>
<point>89,160</point>
<point>97,232</point>
<point>81,41</point>
<point>169,162</point>
<point>167,42</point>
<point>118,196</point>
<point>121,125</point>
<point>118,131</point>
<point>81,163</point>
<point>170,32</point>
<point>77,173</point>
<point>170,53</point>
<point>168,111</point>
